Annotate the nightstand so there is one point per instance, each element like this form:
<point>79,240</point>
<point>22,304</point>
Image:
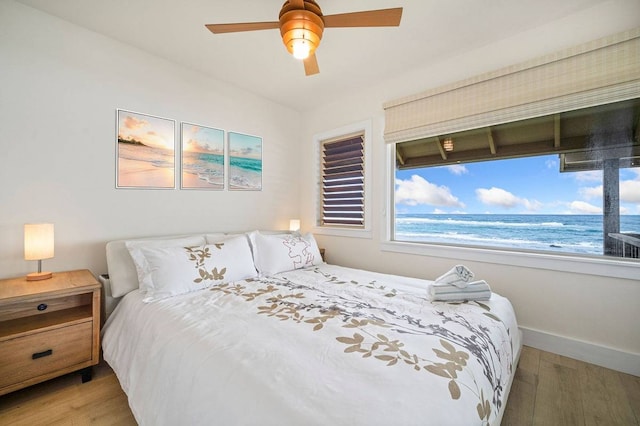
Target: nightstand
<point>48,328</point>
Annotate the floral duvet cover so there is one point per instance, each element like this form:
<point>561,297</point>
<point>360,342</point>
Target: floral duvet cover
<point>324,345</point>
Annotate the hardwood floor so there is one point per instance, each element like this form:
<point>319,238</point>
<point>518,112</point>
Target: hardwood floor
<point>548,389</point>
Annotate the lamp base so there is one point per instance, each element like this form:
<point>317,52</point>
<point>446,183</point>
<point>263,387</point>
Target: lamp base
<point>37,276</point>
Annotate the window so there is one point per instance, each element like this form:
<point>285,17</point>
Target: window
<point>563,183</point>
<point>343,181</point>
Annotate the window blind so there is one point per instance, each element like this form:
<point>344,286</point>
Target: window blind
<point>342,179</point>
<point>603,71</point>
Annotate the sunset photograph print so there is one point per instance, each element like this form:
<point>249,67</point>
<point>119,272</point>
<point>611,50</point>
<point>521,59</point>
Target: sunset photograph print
<point>202,157</point>
<point>146,151</point>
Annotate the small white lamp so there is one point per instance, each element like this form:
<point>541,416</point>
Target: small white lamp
<point>294,225</point>
<point>38,245</point>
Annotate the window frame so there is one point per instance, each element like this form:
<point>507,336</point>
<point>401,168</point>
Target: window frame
<point>565,262</point>
<point>363,127</point>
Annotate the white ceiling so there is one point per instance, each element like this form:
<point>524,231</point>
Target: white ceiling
<point>349,58</point>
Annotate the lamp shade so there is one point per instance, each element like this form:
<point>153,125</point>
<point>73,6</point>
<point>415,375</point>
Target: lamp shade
<point>38,241</point>
<point>294,225</point>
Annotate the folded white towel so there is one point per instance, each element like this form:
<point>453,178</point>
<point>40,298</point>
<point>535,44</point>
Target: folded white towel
<point>477,290</point>
<point>459,276</point>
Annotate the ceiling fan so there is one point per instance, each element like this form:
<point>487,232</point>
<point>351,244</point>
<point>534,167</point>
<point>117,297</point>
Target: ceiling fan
<point>301,25</point>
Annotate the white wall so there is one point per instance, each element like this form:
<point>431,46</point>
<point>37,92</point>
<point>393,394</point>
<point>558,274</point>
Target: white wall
<point>596,310</point>
<point>60,86</point>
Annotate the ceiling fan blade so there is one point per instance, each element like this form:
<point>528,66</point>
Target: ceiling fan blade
<point>239,27</point>
<point>368,18</point>
<point>311,65</point>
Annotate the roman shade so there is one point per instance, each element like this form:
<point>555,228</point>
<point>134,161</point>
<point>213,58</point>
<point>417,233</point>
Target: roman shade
<point>600,72</point>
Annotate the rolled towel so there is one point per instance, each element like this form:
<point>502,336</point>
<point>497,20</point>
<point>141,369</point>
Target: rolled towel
<point>459,276</point>
<point>477,290</point>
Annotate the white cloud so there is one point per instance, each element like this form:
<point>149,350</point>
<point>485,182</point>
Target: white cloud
<point>588,176</point>
<point>417,190</point>
<point>531,206</point>
<point>580,207</point>
<point>500,197</point>
<point>458,169</point>
<point>551,164</point>
<point>630,190</point>
<point>591,192</point>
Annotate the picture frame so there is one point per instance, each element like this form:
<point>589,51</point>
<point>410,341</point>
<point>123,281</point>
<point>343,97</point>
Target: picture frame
<point>202,157</point>
<point>245,162</point>
<point>145,151</point>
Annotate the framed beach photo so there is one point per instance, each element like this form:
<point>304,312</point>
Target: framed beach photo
<point>202,157</point>
<point>245,162</point>
<point>146,151</point>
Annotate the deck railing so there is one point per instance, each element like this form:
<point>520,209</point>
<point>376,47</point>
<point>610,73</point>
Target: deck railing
<point>626,245</point>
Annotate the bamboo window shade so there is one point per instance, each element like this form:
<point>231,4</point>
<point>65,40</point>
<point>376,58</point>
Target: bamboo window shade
<point>342,179</point>
<point>603,71</point>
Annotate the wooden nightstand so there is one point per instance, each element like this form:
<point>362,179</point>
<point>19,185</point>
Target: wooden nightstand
<point>48,328</point>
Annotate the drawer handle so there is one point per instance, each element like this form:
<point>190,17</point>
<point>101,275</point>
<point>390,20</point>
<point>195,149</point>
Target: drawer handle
<point>42,354</point>
<point>42,306</point>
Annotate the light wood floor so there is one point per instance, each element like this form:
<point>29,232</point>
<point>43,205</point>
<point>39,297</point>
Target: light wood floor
<point>548,389</point>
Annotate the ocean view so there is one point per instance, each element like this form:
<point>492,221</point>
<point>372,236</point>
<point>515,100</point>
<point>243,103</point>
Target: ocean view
<point>245,173</point>
<point>561,233</point>
<point>207,167</point>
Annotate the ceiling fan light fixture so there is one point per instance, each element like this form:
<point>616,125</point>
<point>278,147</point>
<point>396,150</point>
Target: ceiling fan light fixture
<point>301,48</point>
<point>301,32</point>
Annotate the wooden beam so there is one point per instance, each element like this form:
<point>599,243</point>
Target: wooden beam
<point>443,153</point>
<point>399,155</point>
<point>556,131</point>
<point>506,151</point>
<point>492,144</point>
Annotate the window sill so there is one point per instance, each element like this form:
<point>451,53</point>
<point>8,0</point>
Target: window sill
<point>605,267</point>
<point>343,232</point>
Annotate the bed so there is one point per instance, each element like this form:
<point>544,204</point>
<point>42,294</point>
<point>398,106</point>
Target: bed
<point>256,329</point>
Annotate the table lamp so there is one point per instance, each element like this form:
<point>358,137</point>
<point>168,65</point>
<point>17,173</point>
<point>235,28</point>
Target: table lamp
<point>294,225</point>
<point>38,245</point>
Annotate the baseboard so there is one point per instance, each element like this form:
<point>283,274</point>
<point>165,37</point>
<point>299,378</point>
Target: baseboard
<point>614,359</point>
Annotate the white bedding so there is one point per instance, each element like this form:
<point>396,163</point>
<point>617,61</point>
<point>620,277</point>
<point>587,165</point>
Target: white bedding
<point>324,345</point>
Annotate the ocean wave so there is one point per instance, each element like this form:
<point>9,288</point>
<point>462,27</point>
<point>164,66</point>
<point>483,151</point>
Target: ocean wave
<point>474,239</point>
<point>449,221</point>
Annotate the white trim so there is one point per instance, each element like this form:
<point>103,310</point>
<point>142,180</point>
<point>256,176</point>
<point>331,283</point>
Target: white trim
<point>604,267</point>
<point>603,356</point>
<point>360,127</point>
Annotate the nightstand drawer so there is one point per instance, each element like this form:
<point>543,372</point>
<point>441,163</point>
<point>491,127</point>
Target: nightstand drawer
<point>41,353</point>
<point>43,306</point>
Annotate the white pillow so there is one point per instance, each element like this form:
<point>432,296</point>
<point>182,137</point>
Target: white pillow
<point>284,252</point>
<point>140,262</point>
<point>217,238</point>
<point>123,274</point>
<point>178,270</point>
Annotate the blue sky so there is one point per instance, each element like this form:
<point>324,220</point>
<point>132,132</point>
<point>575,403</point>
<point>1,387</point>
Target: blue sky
<point>245,146</point>
<point>530,185</point>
